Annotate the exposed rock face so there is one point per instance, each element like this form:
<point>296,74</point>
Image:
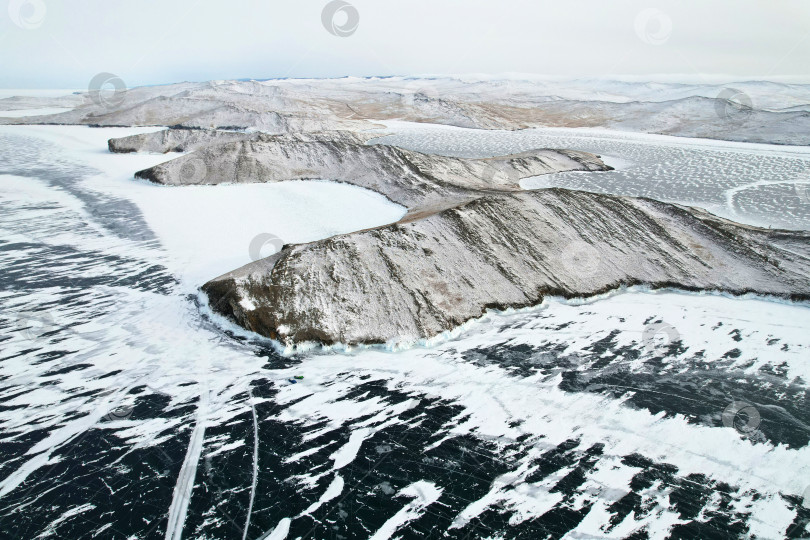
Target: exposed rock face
<point>408,178</point>
<point>415,279</point>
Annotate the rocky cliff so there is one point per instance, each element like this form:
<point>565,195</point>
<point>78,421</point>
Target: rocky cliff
<point>415,279</point>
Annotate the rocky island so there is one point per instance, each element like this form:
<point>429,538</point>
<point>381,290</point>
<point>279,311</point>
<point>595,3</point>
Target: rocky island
<point>417,278</point>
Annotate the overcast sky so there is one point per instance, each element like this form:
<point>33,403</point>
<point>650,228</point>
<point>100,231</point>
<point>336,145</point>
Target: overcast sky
<point>61,44</point>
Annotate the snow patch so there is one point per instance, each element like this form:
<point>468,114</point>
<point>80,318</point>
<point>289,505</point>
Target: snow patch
<point>423,493</point>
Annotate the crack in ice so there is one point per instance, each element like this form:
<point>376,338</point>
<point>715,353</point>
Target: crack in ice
<point>255,463</point>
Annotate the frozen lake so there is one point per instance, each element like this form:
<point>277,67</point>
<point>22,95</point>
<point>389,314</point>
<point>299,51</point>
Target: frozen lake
<point>127,410</point>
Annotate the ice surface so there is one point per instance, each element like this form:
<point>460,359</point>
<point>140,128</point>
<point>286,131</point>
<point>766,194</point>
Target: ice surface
<point>125,405</point>
<point>765,185</point>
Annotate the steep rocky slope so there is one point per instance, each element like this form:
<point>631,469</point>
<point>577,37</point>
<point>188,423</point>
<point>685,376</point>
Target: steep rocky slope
<point>417,278</point>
